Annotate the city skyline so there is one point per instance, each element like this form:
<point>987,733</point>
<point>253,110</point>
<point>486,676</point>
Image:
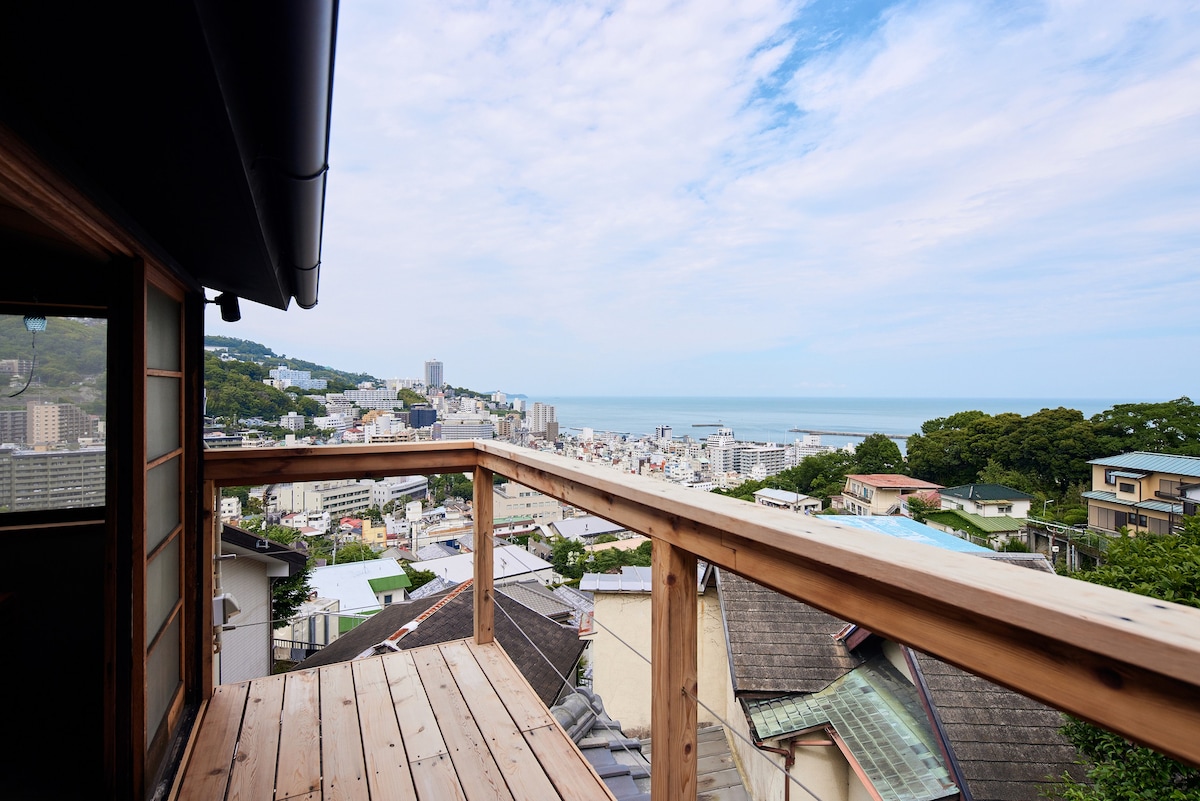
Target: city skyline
<point>911,199</point>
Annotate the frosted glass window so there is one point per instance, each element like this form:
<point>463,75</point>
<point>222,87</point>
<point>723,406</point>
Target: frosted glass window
<point>162,416</point>
<point>162,502</point>
<point>162,587</point>
<point>162,678</point>
<point>162,330</point>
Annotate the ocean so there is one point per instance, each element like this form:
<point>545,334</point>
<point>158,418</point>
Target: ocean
<point>769,419</point>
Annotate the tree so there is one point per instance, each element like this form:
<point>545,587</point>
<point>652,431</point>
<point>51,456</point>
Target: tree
<point>1166,567</point>
<point>920,505</point>
<point>878,453</point>
<point>1170,427</point>
<point>287,594</point>
<point>418,578</point>
<point>567,556</point>
<point>354,552</point>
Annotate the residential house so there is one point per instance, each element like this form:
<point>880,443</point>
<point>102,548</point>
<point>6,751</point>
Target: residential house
<point>586,528</point>
<point>1140,491</point>
<point>987,500</point>
<point>245,579</point>
<point>880,493</point>
<point>360,588</point>
<point>791,501</point>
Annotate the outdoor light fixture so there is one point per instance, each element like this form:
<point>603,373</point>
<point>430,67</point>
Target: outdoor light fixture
<point>228,302</point>
<point>35,323</point>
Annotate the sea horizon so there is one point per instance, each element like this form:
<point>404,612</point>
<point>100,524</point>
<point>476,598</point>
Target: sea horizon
<point>773,418</point>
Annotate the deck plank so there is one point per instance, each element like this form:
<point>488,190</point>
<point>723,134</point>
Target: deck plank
<point>509,682</point>
<point>298,776</point>
<point>573,776</point>
<point>432,770</point>
<point>343,767</point>
<point>207,773</point>
<point>525,775</point>
<point>253,776</point>
<point>478,772</point>
<point>388,771</point>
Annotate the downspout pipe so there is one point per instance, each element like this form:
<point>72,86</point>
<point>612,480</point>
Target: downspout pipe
<point>789,759</point>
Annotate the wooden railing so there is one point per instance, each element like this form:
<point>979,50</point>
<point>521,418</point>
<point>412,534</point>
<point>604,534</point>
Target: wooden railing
<point>1125,662</point>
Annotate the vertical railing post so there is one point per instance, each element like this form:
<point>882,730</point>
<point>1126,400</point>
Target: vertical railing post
<point>482,505</point>
<point>673,672</point>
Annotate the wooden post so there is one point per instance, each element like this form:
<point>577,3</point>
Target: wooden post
<point>482,506</point>
<point>673,672</point>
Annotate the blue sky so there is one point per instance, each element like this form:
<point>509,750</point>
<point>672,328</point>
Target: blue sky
<point>762,198</point>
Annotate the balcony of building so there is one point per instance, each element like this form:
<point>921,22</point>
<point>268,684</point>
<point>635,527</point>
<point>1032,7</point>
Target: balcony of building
<point>458,720</point>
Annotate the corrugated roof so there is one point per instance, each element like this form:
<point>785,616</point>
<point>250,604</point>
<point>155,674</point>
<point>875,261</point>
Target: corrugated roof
<point>1153,462</point>
<point>991,525</point>
<point>894,481</point>
<point>905,528</point>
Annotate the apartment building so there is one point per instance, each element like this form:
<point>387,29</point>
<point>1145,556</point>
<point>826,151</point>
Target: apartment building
<point>515,500</point>
<point>1139,491</point>
<point>55,423</point>
<point>339,498</point>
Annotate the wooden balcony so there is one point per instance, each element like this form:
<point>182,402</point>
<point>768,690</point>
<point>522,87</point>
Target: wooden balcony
<point>448,721</point>
<point>1122,661</point>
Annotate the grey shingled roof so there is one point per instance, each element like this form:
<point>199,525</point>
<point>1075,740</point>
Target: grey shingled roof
<point>541,600</point>
<point>456,621</point>
<point>1007,745</point>
<point>779,645</point>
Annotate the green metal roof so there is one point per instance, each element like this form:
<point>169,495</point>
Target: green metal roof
<point>1106,496</point>
<point>1151,505</point>
<point>1161,506</point>
<point>873,710</point>
<point>985,492</point>
<point>388,583</point>
<point>1153,462</point>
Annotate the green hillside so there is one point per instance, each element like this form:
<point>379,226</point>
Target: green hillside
<point>70,362</point>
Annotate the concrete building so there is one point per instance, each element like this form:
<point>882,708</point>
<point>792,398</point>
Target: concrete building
<point>433,375</point>
<point>540,414</point>
<point>292,421</point>
<point>55,423</point>
<point>282,378</point>
<point>31,480</point>
<point>339,498</point>
<point>516,500</point>
<point>399,490</point>
<point>13,426</point>
<point>791,501</point>
<point>384,398</point>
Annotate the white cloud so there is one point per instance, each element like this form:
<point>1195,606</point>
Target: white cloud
<point>648,194</point>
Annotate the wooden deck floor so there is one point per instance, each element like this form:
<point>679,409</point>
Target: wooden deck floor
<point>449,721</point>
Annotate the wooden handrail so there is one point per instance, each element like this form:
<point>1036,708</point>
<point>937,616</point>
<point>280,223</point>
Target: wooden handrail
<point>1123,661</point>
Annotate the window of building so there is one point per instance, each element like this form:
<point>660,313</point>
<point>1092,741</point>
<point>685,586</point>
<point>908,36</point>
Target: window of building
<point>1004,508</point>
<point>53,375</point>
<point>1126,487</point>
<point>1109,478</point>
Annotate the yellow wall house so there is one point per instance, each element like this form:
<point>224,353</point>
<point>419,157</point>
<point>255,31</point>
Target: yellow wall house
<point>1140,491</point>
<point>881,493</point>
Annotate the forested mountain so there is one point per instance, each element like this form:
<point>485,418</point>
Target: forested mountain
<point>245,350</point>
<point>70,362</point>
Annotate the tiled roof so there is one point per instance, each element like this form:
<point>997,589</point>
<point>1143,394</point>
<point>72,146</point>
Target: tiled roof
<point>779,645</point>
<point>1153,462</point>
<point>618,759</point>
<point>456,621</point>
<point>1007,746</point>
<point>877,714</point>
<point>893,481</point>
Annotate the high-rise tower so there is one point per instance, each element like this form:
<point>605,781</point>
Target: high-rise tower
<point>433,374</point>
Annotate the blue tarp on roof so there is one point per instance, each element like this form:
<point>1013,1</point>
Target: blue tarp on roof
<point>905,528</point>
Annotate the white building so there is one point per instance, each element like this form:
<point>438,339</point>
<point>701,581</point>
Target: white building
<point>540,415</point>
<point>516,500</point>
<point>292,421</point>
<point>400,490</point>
<point>231,509</point>
<point>433,375</point>
<point>282,377</point>
<point>511,563</point>
<point>373,398</point>
<point>336,497</point>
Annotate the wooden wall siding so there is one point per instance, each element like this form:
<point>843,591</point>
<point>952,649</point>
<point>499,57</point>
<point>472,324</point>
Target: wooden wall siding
<point>1126,662</point>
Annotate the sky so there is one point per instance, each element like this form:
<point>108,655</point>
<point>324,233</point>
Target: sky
<point>925,199</point>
